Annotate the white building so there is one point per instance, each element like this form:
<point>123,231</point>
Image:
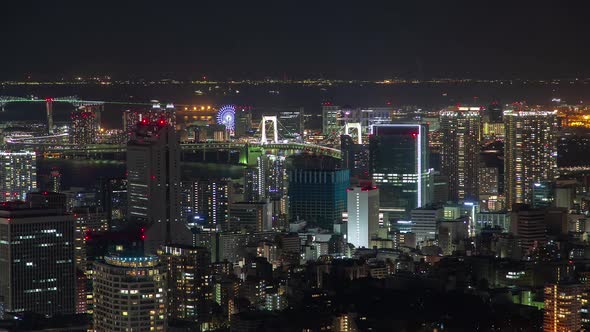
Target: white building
<point>363,215</point>
<point>18,175</point>
<point>424,222</point>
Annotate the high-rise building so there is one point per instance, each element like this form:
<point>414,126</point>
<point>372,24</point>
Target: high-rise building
<point>399,167</point>
<point>363,215</point>
<point>330,118</point>
<point>563,303</point>
<point>355,158</point>
<point>153,184</point>
<point>111,195</point>
<point>291,120</point>
<point>460,134</point>
<point>18,174</point>
<point>208,199</point>
<point>243,122</point>
<point>85,126</point>
<point>129,294</point>
<point>153,173</point>
<point>318,196</point>
<point>37,272</point>
<point>530,152</point>
<point>156,113</point>
<point>189,283</point>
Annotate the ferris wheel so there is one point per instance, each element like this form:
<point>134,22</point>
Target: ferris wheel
<point>226,115</point>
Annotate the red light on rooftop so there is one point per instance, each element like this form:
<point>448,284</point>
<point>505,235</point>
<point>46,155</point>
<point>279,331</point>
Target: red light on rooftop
<point>87,238</point>
<point>144,121</point>
<point>414,135</point>
<point>162,122</point>
<point>45,193</point>
<point>48,100</point>
<point>143,237</point>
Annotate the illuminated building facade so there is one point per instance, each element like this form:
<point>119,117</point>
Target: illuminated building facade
<point>153,173</point>
<point>156,113</point>
<point>363,215</point>
<point>530,152</point>
<point>37,272</point>
<point>318,196</point>
<point>208,199</point>
<point>85,126</point>
<point>189,283</point>
<point>562,308</point>
<point>129,294</point>
<point>460,134</point>
<point>355,157</point>
<point>330,118</point>
<point>18,175</point>
<point>399,167</point>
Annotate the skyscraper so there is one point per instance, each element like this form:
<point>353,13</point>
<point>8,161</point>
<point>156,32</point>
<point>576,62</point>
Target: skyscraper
<point>85,126</point>
<point>363,215</point>
<point>460,129</point>
<point>153,184</point>
<point>355,157</point>
<point>330,117</point>
<point>207,198</point>
<point>562,307</point>
<point>153,173</point>
<point>399,167</point>
<point>318,196</point>
<point>18,174</point>
<point>37,272</point>
<point>129,294</point>
<point>189,284</point>
<point>530,152</point>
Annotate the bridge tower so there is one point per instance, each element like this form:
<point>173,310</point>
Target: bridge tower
<point>274,121</point>
<point>49,108</point>
<point>357,126</point>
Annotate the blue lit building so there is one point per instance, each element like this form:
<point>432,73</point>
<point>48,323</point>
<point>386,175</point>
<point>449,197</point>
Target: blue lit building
<point>318,196</point>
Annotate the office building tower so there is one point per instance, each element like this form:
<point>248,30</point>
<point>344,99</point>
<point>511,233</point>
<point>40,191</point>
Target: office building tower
<point>317,196</point>
<point>291,122</point>
<point>374,116</point>
<point>250,216</point>
<point>111,196</point>
<point>424,222</point>
<point>563,303</point>
<point>529,225</point>
<point>208,199</point>
<point>355,158</point>
<point>156,113</point>
<point>363,215</point>
<point>252,185</point>
<point>85,126</point>
<point>243,122</point>
<point>189,283</point>
<point>530,152</point>
<point>460,134</point>
<point>153,173</point>
<point>153,184</point>
<point>37,272</point>
<point>330,119</point>
<point>129,294</point>
<point>18,175</point>
<point>399,167</point>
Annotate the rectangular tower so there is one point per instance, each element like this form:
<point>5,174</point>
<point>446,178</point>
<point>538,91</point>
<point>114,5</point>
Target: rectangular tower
<point>399,166</point>
<point>530,152</point>
<point>460,129</point>
<point>363,215</point>
<point>37,272</point>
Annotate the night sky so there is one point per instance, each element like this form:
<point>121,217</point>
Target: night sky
<point>256,39</point>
